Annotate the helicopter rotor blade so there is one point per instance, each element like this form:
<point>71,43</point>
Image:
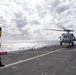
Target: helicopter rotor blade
<point>66,30</point>
<point>62,29</point>
<point>54,29</point>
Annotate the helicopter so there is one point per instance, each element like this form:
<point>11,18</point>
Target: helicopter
<point>67,37</point>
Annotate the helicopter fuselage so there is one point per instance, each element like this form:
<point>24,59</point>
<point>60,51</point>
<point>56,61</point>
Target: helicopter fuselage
<point>67,38</point>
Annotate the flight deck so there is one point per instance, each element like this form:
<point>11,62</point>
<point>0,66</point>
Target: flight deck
<point>56,60</point>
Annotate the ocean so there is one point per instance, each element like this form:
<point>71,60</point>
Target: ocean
<point>23,45</point>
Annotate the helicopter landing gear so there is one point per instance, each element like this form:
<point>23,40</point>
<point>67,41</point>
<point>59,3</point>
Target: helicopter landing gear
<point>72,44</point>
<point>61,43</point>
<point>1,65</point>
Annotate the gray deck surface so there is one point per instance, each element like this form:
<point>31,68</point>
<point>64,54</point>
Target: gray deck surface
<point>44,61</point>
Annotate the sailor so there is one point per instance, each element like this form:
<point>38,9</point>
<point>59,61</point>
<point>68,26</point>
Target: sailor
<point>1,65</point>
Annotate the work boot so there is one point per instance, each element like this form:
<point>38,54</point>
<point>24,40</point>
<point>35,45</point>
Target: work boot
<point>1,65</point>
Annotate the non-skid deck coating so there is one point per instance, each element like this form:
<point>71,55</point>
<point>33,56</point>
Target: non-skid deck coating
<point>44,61</point>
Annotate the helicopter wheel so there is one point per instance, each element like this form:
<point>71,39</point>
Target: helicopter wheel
<point>72,44</point>
<point>61,43</point>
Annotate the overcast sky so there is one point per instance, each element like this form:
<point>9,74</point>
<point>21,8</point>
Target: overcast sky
<point>29,18</point>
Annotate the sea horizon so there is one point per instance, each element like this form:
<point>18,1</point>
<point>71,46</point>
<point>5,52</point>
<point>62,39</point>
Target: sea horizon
<point>20,45</point>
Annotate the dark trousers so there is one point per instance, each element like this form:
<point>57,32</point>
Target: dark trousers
<point>0,61</point>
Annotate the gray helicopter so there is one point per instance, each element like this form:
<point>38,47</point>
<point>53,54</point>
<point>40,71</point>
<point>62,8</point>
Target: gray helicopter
<point>67,37</point>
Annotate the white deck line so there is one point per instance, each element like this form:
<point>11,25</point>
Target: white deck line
<point>25,60</point>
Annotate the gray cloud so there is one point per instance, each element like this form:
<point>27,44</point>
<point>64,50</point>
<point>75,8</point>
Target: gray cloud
<point>55,3</point>
<point>35,22</point>
<point>20,23</point>
<point>59,7</point>
<point>25,33</point>
<point>41,11</point>
<point>62,9</point>
<point>2,21</point>
<point>23,19</point>
<point>18,15</point>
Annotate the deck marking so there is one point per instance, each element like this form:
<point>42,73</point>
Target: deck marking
<point>21,61</point>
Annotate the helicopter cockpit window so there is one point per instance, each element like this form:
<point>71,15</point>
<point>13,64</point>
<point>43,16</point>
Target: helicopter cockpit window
<point>68,35</point>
